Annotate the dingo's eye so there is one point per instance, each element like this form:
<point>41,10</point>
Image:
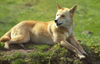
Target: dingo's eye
<point>62,15</point>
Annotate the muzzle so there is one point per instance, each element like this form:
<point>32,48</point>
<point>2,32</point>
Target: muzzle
<point>58,24</point>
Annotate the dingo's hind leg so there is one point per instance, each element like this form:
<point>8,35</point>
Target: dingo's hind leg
<point>18,39</point>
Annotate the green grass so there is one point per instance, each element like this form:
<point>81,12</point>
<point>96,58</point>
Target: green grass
<point>86,18</point>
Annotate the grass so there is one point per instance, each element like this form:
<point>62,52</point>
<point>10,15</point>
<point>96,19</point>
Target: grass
<point>86,18</point>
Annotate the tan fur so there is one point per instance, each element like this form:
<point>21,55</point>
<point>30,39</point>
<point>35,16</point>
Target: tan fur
<point>47,32</point>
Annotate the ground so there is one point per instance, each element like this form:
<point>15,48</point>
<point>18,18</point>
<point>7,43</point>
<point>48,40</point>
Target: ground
<point>40,54</point>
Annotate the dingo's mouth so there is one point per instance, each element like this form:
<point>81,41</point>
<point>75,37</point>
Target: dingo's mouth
<point>58,24</point>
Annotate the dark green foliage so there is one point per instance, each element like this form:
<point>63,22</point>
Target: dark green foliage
<point>18,61</point>
<point>1,46</point>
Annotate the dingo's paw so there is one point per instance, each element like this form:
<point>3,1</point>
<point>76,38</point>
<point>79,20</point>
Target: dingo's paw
<point>82,56</point>
<point>6,47</point>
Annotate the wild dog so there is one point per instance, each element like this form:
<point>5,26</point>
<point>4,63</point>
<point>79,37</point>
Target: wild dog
<point>58,31</point>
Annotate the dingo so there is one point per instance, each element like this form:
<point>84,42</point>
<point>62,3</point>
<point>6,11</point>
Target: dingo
<point>58,31</point>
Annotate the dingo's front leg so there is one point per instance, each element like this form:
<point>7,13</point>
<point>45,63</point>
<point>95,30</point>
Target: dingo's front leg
<point>61,39</point>
<point>74,42</point>
<point>71,47</point>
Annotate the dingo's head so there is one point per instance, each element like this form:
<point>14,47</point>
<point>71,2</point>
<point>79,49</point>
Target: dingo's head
<point>64,16</point>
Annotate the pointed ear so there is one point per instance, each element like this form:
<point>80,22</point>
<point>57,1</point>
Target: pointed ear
<point>72,10</point>
<point>58,6</point>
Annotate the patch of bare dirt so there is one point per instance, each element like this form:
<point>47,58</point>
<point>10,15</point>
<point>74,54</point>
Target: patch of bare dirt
<point>22,48</point>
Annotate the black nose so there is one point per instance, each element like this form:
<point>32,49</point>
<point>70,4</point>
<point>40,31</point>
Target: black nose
<point>56,21</point>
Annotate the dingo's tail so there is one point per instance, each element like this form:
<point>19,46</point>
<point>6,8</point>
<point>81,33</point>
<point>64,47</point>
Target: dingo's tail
<point>6,37</point>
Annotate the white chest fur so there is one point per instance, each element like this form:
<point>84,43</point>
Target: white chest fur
<point>70,30</point>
